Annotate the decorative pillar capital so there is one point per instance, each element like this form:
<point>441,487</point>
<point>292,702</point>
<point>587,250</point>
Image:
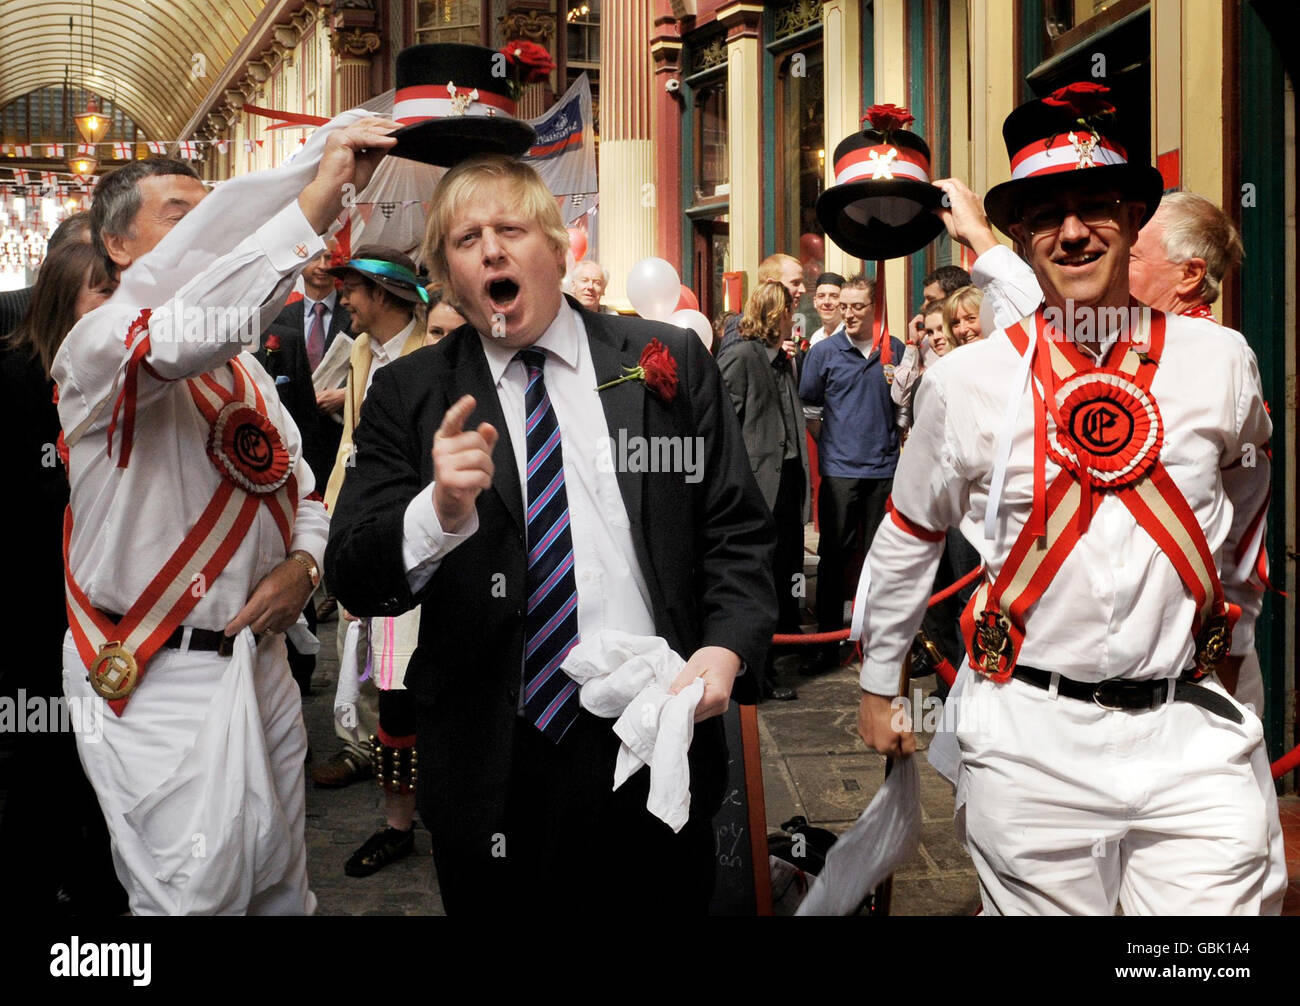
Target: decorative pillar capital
<point>528,26</point>
<point>742,20</point>
<point>666,53</point>
<point>354,44</point>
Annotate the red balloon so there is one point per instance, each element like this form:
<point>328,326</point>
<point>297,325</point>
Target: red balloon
<point>687,301</point>
<point>578,242</point>
<point>812,246</point>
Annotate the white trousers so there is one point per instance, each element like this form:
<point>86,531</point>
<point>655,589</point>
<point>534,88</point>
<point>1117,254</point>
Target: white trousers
<point>1067,808</point>
<point>201,781</point>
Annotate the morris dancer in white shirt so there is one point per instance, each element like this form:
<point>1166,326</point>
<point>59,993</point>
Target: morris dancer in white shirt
<point>1101,759</point>
<point>190,528</point>
<point>1176,265</point>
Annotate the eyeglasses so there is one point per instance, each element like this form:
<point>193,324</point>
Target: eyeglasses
<point>855,308</point>
<point>1093,213</point>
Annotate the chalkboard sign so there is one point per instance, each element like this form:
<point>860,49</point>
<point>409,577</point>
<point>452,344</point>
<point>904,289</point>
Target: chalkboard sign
<point>743,882</point>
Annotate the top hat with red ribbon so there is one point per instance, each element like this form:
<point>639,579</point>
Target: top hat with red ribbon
<point>457,101</point>
<point>880,205</point>
<point>1068,139</point>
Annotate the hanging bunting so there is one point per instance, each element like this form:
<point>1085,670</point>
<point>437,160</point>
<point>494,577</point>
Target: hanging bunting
<point>122,151</point>
<point>188,150</point>
<point>156,146</point>
<point>54,151</point>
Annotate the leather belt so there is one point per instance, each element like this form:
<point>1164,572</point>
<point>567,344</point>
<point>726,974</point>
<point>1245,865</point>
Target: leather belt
<point>209,640</point>
<point>1123,693</point>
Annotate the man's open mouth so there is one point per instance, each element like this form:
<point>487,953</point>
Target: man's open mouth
<point>502,293</point>
<point>1079,259</point>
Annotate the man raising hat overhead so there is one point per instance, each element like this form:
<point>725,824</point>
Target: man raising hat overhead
<point>1098,454</point>
<point>192,527</point>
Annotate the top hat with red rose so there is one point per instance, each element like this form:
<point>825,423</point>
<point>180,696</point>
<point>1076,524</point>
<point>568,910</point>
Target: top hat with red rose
<point>457,101</point>
<point>1069,139</point>
<point>880,205</point>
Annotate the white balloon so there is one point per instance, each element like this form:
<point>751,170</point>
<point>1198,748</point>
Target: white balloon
<point>654,288</point>
<point>696,322</point>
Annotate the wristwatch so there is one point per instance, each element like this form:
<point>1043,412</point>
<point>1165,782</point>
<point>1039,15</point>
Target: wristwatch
<point>305,560</point>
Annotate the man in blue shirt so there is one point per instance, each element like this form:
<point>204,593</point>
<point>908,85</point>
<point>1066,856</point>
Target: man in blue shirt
<point>845,389</point>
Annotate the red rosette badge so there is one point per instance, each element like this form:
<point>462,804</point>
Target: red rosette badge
<point>245,447</point>
<point>1112,430</point>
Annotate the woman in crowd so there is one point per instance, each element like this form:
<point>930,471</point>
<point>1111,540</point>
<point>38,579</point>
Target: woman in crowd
<point>759,375</point>
<point>961,316</point>
<point>53,833</point>
<point>910,368</point>
<point>440,317</point>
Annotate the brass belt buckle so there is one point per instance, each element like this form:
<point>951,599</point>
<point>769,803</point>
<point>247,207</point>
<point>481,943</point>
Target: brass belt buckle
<point>1212,644</point>
<point>992,641</point>
<point>114,672</point>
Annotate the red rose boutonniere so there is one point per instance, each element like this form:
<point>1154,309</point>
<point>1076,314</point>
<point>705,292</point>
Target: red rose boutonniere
<point>656,369</point>
<point>885,119</point>
<point>529,63</point>
<point>272,343</point>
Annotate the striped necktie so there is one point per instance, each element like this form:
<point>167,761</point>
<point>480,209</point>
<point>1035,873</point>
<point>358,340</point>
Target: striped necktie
<point>551,621</point>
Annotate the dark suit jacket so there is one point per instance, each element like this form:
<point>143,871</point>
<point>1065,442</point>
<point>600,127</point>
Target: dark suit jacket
<point>705,551</point>
<point>753,384</point>
<point>13,305</point>
<point>288,365</point>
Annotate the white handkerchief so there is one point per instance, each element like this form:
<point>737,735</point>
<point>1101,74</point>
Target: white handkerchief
<point>626,676</point>
<point>210,825</point>
<point>881,840</point>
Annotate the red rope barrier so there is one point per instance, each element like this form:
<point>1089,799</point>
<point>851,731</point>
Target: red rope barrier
<point>947,592</point>
<point>1286,763</point>
<point>812,638</point>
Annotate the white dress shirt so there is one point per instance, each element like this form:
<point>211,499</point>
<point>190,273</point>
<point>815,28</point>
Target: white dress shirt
<point>612,592</point>
<point>127,522</point>
<point>1116,607</point>
<point>385,353</point>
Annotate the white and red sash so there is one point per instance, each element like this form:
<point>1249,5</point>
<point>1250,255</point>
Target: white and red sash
<point>246,449</point>
<point>1105,433</point>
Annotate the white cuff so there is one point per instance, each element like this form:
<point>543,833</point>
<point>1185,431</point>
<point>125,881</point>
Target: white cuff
<point>288,240</point>
<point>424,543</point>
<point>879,679</point>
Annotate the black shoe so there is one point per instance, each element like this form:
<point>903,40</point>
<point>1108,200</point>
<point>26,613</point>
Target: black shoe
<point>780,693</point>
<point>823,660</point>
<point>383,847</point>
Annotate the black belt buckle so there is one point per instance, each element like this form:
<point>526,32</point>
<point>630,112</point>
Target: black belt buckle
<point>1122,693</point>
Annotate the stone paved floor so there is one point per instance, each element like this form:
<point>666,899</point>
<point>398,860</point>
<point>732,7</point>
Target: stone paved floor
<point>339,820</point>
<point>815,764</point>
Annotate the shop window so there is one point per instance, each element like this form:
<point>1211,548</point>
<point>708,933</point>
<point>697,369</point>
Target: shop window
<point>710,135</point>
<point>800,157</point>
<point>448,21</point>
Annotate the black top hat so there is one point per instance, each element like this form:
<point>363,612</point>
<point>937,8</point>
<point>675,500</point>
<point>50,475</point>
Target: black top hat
<point>1068,139</point>
<point>454,101</point>
<point>880,205</point>
<point>388,268</point>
